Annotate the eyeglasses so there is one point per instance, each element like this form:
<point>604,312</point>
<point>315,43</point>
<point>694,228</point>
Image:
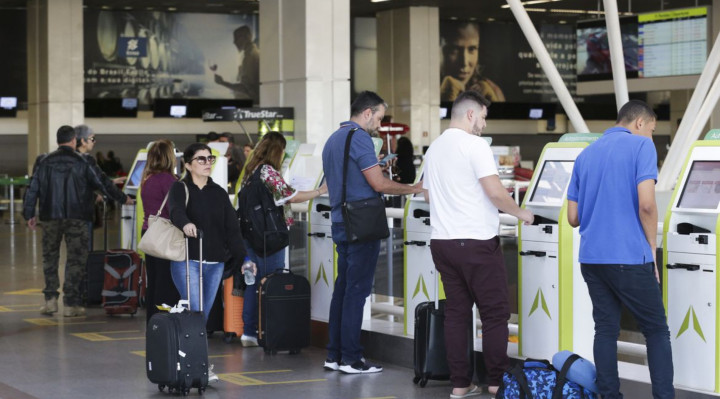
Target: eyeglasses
<point>91,139</point>
<point>202,160</point>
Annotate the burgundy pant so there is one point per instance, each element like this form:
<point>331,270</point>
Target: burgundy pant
<point>473,272</point>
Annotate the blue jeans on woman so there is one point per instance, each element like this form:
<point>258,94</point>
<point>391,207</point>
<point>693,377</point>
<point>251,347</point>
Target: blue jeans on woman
<point>265,266</point>
<point>635,287</point>
<point>212,276</point>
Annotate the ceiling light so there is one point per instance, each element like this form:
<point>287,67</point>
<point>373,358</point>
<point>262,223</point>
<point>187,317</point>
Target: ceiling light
<point>172,8</point>
<point>105,7</point>
<point>536,9</point>
<point>562,22</point>
<point>127,8</point>
<point>491,19</point>
<point>454,18</point>
<point>378,1</point>
<point>525,3</point>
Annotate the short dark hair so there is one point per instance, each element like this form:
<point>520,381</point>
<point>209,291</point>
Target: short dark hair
<point>365,100</point>
<point>213,136</point>
<point>468,96</point>
<point>229,136</point>
<point>192,149</point>
<point>633,110</point>
<point>65,134</point>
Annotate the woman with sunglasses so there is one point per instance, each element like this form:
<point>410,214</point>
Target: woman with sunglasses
<point>268,157</point>
<point>208,210</point>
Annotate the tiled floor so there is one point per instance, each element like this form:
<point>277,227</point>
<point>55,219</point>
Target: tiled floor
<point>103,357</point>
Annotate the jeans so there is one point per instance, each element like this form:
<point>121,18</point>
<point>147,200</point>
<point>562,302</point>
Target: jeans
<point>355,271</point>
<point>212,276</point>
<point>635,287</point>
<point>265,266</point>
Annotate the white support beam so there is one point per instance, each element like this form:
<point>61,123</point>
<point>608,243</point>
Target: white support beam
<point>548,66</point>
<point>617,58</point>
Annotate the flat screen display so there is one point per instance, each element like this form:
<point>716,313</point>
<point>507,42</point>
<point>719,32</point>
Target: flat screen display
<point>593,50</point>
<point>673,42</point>
<point>8,102</point>
<point>702,187</point>
<point>536,113</point>
<point>178,111</point>
<point>554,178</point>
<point>136,174</point>
<point>129,103</point>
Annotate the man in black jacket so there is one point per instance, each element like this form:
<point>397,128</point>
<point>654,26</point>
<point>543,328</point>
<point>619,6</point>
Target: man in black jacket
<point>63,184</point>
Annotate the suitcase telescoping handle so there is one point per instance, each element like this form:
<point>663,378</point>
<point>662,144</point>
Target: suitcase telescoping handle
<point>187,267</point>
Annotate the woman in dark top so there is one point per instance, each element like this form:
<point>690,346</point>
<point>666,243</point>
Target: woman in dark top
<point>154,188</point>
<point>208,209</point>
<point>404,166</point>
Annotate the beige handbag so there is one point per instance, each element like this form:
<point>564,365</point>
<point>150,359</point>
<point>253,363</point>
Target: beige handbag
<point>162,239</point>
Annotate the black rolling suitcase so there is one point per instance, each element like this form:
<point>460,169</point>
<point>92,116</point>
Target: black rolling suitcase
<point>176,346</point>
<point>430,356</point>
<point>95,268</point>
<point>284,313</point>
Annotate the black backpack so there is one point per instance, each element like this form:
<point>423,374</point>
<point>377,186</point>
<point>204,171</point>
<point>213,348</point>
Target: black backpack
<point>261,221</point>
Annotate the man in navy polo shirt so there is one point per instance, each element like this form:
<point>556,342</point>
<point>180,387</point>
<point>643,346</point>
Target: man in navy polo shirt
<point>612,198</point>
<point>356,261</point>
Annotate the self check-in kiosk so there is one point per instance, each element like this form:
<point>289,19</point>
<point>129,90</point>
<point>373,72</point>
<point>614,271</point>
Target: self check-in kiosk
<point>554,311</point>
<point>322,257</point>
<point>690,278</point>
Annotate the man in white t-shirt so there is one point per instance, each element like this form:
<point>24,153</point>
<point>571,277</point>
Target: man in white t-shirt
<point>465,193</point>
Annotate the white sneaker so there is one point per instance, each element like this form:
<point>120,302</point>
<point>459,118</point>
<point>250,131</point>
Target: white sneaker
<point>248,341</point>
<point>212,377</point>
<point>331,365</point>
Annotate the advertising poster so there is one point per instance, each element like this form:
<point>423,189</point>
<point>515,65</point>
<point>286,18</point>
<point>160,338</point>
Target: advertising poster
<point>476,56</point>
<point>151,55</point>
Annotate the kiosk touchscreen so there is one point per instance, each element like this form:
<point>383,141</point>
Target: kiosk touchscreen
<point>690,277</point>
<point>554,311</point>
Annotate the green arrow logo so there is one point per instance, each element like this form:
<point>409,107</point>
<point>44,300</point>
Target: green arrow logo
<point>421,285</point>
<point>321,273</point>
<point>540,300</point>
<point>686,324</point>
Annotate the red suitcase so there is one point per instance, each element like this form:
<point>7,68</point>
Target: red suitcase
<point>121,287</point>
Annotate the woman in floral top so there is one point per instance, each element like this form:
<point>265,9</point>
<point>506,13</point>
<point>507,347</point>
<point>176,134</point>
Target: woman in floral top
<point>268,155</point>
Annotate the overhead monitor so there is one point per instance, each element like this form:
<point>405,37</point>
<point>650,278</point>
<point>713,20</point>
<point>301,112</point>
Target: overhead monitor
<point>8,102</point>
<point>536,113</point>
<point>130,103</point>
<point>553,180</point>
<point>702,186</point>
<point>178,111</point>
<point>593,51</point>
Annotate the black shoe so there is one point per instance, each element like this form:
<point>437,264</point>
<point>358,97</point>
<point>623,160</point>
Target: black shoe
<point>360,367</point>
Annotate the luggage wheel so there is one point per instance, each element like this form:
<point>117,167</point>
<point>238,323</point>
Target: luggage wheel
<point>186,392</point>
<point>416,380</point>
<point>423,382</point>
<point>228,337</point>
<point>201,390</point>
<point>161,387</point>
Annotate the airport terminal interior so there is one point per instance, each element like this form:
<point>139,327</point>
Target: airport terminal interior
<point>136,71</point>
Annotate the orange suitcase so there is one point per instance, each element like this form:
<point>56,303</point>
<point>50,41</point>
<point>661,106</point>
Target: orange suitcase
<point>232,314</point>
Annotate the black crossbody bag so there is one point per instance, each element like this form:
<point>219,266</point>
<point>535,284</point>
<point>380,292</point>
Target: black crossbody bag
<point>365,220</point>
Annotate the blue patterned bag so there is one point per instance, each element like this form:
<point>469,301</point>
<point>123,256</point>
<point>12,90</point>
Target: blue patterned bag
<point>538,379</point>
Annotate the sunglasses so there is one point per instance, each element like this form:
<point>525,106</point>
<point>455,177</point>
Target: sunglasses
<point>202,160</point>
<point>91,139</point>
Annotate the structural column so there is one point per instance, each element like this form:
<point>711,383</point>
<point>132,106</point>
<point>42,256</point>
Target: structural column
<point>305,63</point>
<point>55,71</point>
<point>409,69</point>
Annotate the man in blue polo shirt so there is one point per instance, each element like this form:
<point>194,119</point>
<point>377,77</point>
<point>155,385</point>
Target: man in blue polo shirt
<point>612,198</point>
<point>356,261</point>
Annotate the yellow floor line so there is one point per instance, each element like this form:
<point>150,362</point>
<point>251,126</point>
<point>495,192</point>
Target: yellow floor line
<point>242,380</point>
<point>29,291</point>
<point>54,322</point>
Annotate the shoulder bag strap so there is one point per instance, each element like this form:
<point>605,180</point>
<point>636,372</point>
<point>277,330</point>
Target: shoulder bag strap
<point>345,164</point>
<point>187,198</point>
<point>562,376</point>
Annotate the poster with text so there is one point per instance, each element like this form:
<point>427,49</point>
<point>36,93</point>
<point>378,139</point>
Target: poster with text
<point>151,55</point>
